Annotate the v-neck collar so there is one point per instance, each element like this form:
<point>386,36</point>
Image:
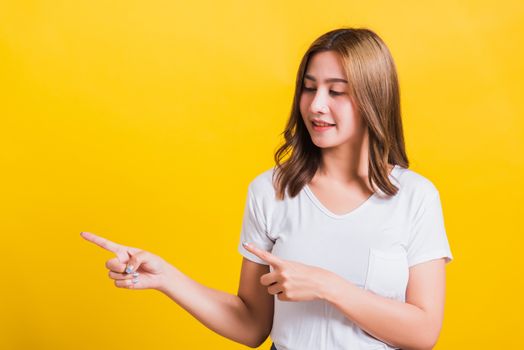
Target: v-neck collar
<point>354,211</point>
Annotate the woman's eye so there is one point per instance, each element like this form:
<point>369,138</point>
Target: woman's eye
<point>334,93</point>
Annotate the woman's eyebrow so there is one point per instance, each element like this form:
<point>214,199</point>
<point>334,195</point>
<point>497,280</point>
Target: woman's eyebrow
<point>329,80</point>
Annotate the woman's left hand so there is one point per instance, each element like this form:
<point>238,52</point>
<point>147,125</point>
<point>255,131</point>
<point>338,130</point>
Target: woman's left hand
<point>290,280</point>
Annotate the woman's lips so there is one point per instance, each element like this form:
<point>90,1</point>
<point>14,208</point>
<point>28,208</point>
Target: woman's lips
<point>322,128</point>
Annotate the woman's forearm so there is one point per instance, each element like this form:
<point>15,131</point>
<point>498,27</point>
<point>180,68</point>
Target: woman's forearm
<point>223,313</point>
<point>396,323</point>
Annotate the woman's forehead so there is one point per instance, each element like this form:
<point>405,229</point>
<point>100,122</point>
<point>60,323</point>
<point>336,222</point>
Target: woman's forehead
<point>325,65</point>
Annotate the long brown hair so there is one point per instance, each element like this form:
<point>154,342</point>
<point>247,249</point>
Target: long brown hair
<point>373,86</point>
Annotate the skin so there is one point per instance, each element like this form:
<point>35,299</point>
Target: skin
<point>247,317</point>
<point>344,147</point>
<point>341,183</point>
<point>411,325</point>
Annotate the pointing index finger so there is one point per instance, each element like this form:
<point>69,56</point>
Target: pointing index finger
<point>262,254</point>
<point>102,242</point>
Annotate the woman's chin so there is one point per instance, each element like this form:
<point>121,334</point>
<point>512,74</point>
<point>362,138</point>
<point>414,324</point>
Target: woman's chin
<point>323,144</point>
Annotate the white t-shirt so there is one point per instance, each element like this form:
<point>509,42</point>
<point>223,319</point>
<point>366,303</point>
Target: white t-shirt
<point>372,246</point>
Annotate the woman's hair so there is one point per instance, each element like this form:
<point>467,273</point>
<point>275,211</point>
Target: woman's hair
<point>373,87</point>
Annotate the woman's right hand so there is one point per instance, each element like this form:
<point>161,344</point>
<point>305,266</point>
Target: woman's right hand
<point>132,268</point>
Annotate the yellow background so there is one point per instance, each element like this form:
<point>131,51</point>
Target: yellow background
<point>145,121</point>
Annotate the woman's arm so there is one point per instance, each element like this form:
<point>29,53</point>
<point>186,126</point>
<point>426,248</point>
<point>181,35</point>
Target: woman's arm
<point>245,318</point>
<point>413,325</point>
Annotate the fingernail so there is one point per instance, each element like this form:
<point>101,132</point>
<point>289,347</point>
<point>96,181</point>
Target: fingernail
<point>135,274</point>
<point>245,244</point>
<point>129,269</point>
<point>135,280</point>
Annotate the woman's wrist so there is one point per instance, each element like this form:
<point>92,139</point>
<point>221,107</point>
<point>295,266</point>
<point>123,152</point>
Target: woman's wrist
<point>330,286</point>
<point>168,280</point>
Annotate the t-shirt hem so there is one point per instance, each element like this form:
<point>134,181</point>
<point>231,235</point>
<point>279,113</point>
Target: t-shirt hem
<point>431,256</point>
<point>250,256</point>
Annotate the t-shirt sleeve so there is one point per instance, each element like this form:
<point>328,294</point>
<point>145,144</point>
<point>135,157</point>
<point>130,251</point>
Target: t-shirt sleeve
<point>428,239</point>
<point>254,228</point>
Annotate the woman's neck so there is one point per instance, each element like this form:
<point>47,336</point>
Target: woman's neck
<point>346,163</point>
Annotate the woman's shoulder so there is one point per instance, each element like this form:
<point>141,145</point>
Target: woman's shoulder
<point>413,182</point>
<point>262,184</point>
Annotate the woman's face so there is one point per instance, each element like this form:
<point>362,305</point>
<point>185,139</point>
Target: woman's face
<point>325,97</point>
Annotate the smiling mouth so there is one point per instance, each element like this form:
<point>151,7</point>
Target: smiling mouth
<point>323,124</point>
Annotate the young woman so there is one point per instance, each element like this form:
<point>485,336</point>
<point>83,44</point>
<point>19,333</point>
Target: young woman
<point>344,247</point>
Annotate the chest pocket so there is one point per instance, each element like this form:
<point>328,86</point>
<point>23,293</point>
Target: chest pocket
<point>388,273</point>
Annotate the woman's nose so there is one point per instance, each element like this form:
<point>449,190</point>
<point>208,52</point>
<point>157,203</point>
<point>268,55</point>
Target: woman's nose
<point>319,104</point>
